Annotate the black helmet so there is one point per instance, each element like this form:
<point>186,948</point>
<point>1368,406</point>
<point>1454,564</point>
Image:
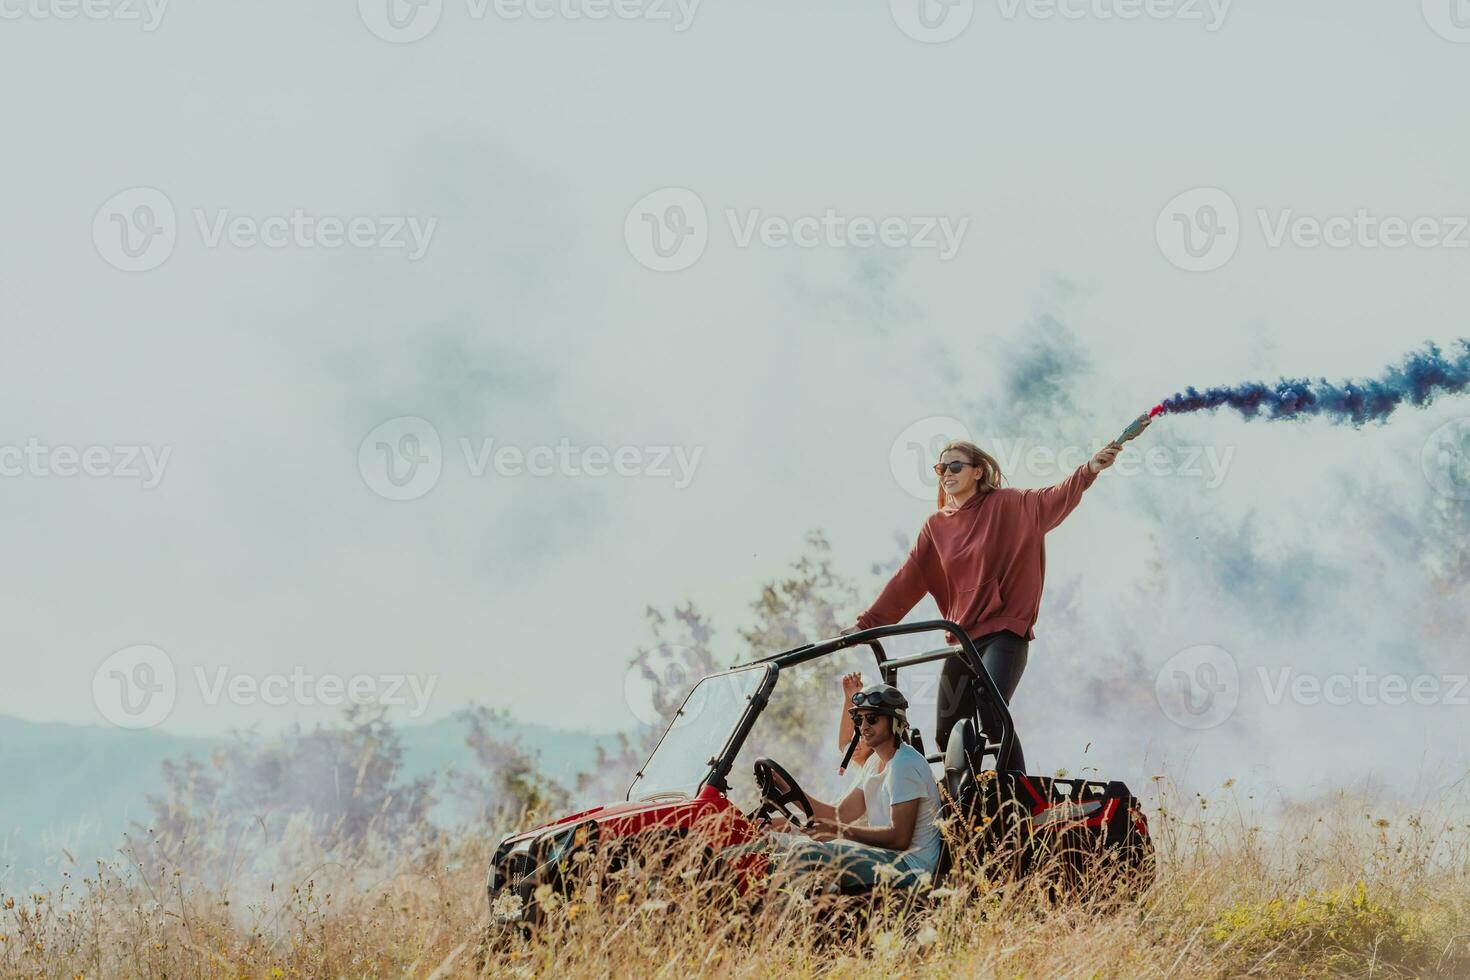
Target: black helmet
<point>885,699</point>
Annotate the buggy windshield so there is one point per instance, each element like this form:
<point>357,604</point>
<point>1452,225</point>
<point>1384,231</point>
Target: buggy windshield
<point>699,733</point>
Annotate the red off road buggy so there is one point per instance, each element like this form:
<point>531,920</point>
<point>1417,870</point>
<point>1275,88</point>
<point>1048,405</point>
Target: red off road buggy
<point>682,793</point>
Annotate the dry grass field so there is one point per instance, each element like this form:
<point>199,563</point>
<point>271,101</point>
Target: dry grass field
<point>1336,890</point>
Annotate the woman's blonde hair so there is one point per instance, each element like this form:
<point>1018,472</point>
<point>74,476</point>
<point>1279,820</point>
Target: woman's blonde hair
<point>990,475</point>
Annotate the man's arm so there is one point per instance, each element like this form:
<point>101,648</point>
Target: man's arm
<point>894,838</point>
<point>851,684</point>
<point>844,730</point>
<point>850,807</point>
<point>910,782</point>
<point>853,807</point>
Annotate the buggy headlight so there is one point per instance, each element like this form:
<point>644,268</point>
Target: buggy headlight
<point>559,849</point>
<point>504,853</point>
<point>497,856</point>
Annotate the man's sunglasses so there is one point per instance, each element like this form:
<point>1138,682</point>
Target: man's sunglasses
<point>876,698</point>
<point>868,719</point>
<point>954,466</point>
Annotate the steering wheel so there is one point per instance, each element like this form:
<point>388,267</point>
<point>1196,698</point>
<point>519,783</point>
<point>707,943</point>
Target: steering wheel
<point>774,799</point>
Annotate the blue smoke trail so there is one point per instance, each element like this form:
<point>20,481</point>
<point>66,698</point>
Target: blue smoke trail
<point>1422,376</point>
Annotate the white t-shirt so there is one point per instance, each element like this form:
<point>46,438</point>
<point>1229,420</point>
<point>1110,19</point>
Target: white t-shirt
<point>906,777</point>
<point>854,781</point>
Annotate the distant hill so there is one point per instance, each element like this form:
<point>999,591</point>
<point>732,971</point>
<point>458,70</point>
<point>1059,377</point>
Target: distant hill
<point>79,787</point>
<point>436,746</point>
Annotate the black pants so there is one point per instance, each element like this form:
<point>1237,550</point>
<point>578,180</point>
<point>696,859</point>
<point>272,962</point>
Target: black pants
<point>1004,657</point>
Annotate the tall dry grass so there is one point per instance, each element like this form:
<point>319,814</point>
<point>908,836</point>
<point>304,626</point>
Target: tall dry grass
<point>1333,889</point>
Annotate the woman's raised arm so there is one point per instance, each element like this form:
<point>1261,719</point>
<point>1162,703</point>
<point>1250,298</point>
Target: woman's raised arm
<point>1051,505</point>
<point>903,591</point>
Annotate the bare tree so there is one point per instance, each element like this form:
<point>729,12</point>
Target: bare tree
<point>504,781</point>
<point>341,781</point>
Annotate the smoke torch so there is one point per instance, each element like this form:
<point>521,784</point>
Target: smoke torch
<point>1136,427</point>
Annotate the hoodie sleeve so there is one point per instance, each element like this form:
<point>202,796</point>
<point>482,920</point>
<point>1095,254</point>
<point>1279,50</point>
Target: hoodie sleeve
<point>904,590</point>
<point>1051,505</point>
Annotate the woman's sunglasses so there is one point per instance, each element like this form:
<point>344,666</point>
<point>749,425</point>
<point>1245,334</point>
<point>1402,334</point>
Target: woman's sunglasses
<point>954,466</point>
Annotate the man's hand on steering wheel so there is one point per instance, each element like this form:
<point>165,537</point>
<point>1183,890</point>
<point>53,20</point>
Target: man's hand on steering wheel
<point>779,792</point>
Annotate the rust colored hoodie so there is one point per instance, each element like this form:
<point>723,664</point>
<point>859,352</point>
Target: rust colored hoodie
<point>985,562</point>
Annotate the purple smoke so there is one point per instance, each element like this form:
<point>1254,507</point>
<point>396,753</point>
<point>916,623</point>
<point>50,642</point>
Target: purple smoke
<point>1422,375</point>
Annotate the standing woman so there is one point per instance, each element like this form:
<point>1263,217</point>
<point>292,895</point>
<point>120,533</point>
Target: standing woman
<point>982,557</point>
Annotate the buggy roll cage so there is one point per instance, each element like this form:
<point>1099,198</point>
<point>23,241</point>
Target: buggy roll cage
<point>965,653</point>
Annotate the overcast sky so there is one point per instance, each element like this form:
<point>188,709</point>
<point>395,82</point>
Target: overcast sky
<point>141,312</point>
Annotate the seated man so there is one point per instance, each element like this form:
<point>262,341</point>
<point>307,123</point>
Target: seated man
<point>895,791</point>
